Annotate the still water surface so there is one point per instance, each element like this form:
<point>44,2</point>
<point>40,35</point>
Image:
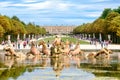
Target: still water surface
<point>62,68</point>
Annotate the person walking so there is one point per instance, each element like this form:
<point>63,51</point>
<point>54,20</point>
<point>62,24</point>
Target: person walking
<point>102,44</point>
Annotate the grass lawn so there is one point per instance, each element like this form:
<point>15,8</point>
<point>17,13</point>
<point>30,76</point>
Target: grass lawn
<point>73,40</point>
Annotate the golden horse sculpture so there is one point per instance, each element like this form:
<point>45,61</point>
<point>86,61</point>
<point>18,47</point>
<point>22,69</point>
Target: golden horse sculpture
<point>65,47</point>
<point>61,49</point>
<point>56,46</point>
<point>11,52</point>
<point>101,58</point>
<point>76,50</point>
<point>103,53</point>
<point>45,49</point>
<point>34,52</point>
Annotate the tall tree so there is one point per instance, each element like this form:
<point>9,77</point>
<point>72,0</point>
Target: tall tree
<point>16,18</point>
<point>115,25</point>
<point>111,15</point>
<point>30,28</point>
<point>110,21</point>
<point>1,31</point>
<point>117,10</point>
<point>18,27</point>
<point>4,22</point>
<point>99,26</point>
<point>105,13</point>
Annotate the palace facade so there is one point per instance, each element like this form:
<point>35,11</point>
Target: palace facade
<point>59,29</point>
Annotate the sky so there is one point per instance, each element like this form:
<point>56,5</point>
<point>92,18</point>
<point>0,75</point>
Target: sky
<point>56,12</point>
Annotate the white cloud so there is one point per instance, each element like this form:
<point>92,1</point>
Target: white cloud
<point>29,0</point>
<point>42,5</point>
<point>56,11</point>
<point>63,6</point>
<point>36,6</point>
<point>99,0</point>
<point>48,4</point>
<point>93,14</point>
<point>53,5</point>
<point>4,4</point>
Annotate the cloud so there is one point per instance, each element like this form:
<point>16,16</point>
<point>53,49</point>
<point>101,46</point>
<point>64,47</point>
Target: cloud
<point>27,1</point>
<point>4,4</point>
<point>99,0</point>
<point>53,5</point>
<point>38,5</point>
<point>56,11</point>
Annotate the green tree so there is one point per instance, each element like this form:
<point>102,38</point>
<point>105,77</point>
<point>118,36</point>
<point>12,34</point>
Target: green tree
<point>99,26</point>
<point>30,28</point>
<point>111,22</point>
<point>117,10</point>
<point>112,26</point>
<point>105,13</point>
<point>111,15</point>
<point>77,30</point>
<point>19,28</point>
<point>115,25</point>
<point>43,31</point>
<point>4,22</point>
<point>1,31</point>
<point>15,18</point>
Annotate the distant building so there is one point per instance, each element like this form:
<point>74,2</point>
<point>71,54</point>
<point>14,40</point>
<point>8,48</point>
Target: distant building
<point>59,29</point>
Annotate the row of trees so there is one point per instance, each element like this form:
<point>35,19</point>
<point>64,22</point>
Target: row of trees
<point>14,26</point>
<point>107,23</point>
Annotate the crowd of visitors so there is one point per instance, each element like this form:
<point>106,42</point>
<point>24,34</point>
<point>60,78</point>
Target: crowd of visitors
<point>18,44</point>
<point>94,41</point>
<point>25,43</point>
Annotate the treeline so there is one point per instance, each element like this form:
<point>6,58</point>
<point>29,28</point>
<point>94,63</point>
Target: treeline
<point>107,24</point>
<point>14,27</point>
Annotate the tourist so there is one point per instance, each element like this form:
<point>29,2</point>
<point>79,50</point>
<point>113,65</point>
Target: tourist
<point>13,43</point>
<point>102,44</point>
<point>48,43</point>
<point>96,43</point>
<point>19,44</point>
<point>24,44</point>
<point>3,42</point>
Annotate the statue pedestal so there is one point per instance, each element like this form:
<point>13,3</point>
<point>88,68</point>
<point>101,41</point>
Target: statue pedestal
<point>9,41</point>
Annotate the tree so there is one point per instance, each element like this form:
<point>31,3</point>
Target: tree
<point>4,22</point>
<point>1,31</point>
<point>78,30</point>
<point>111,22</point>
<point>105,13</point>
<point>18,27</point>
<point>111,15</point>
<point>99,26</point>
<point>115,25</point>
<point>117,10</point>
<point>43,31</point>
<point>15,18</point>
<point>112,26</point>
<point>30,28</point>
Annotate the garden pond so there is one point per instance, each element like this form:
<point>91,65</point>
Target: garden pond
<point>61,68</point>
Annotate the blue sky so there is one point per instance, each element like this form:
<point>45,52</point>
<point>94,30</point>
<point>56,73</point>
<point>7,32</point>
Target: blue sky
<point>56,12</point>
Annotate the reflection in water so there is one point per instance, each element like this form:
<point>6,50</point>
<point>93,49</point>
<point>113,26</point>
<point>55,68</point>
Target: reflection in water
<point>57,64</point>
<point>62,68</point>
<point>5,74</point>
<point>76,59</point>
<point>66,61</point>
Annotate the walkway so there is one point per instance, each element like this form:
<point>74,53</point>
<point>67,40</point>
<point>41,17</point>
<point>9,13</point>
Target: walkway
<point>93,47</point>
